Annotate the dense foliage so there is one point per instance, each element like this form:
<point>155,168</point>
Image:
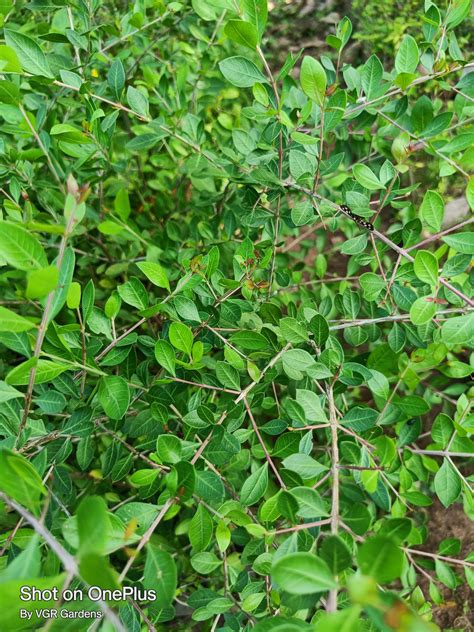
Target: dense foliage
<point>216,382</point>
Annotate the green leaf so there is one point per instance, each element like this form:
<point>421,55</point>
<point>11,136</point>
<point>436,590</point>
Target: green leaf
<point>41,282</point>
<point>408,55</point>
<point>204,563</point>
<point>20,480</point>
<point>181,337</point>
<point>412,405</point>
<point>256,12</point>
<point>369,480</point>
<point>311,405</point>
<point>304,465</point>
<point>92,525</point>
<point>447,483</point>
<point>46,370</point>
<point>455,265</point>
<point>344,30</point>
<point>64,282</point>
<point>470,193</point>
<point>372,284</point>
<point>457,12</point>
<point>251,340</point>
<point>114,396</point>
<point>205,9</point>
<point>187,309</point>
<point>242,32</point>
<point>73,299</point>
<point>354,246</point>
<point>94,569</point>
<point>418,498</point>
<point>9,61</point>
<point>26,565</point>
<point>241,72</point>
<point>122,204</point>
<point>438,124</point>
<point>200,529</point>
<point>287,505</point>
<point>31,57</point>
<point>10,321</point>
<point>11,604</point>
<point>445,574</point>
<point>252,601</point>
<point>347,620</point>
<point>254,486</point>
<point>422,311</point>
<point>360,418</point>
<point>169,448</point>
<point>320,329</point>
<point>112,305</point>
<point>335,553</point>
<point>310,503</point>
<point>458,330</point>
<point>302,213</point>
<point>422,113</point>
<point>20,249</point>
<point>379,384</point>
<point>295,362</point>
<point>143,478</point>
<point>71,78</point>
<point>165,356</point>
<point>133,293</point>
<point>302,574</point>
<point>381,558</point>
<point>7,392</point>
<point>313,80</point>
<point>143,142</point>
<point>9,92</point>
<point>426,267</point>
<point>228,376</point>
<point>116,78</point>
<point>69,133</point>
<point>213,258</point>
<point>155,273</point>
<point>372,73</point>
<point>432,210</point>
<point>293,331</point>
<point>282,624</point>
<point>366,177</point>
<point>301,164</point>
<point>137,101</point>
<point>462,242</point>
<point>161,575</point>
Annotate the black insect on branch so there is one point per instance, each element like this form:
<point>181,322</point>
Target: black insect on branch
<point>357,218</point>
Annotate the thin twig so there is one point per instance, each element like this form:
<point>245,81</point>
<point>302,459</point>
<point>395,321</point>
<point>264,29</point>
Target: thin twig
<point>145,538</point>
<point>43,328</point>
<point>51,166</point>
<point>264,447</point>
<point>68,561</point>
<point>331,605</point>
<point>301,527</point>
<point>443,558</point>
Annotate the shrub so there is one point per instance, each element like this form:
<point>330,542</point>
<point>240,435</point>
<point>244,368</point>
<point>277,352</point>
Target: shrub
<point>381,28</point>
<point>235,330</point>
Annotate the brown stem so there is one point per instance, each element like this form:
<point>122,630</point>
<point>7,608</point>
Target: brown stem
<point>434,556</point>
<point>264,447</point>
<point>43,328</point>
<point>301,527</point>
<point>331,605</point>
<point>68,561</point>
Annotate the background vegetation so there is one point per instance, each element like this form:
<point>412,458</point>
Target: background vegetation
<point>217,383</point>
